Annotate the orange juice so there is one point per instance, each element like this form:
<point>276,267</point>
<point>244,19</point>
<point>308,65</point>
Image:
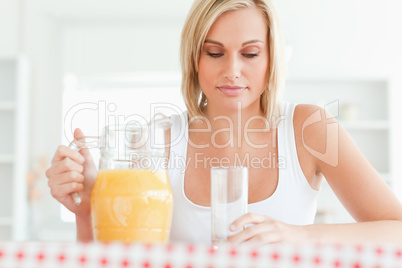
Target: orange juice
<point>132,205</point>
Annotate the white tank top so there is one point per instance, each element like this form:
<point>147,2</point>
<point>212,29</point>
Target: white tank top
<point>293,202</point>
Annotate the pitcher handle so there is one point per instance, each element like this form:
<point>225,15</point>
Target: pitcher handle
<point>84,142</point>
<point>159,119</point>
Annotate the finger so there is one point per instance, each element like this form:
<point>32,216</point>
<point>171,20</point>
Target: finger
<point>63,166</point>
<point>263,233</point>
<point>250,232</point>
<point>78,133</point>
<point>65,152</point>
<point>60,192</point>
<point>84,152</point>
<point>68,177</point>
<point>265,238</point>
<point>87,155</point>
<point>249,218</point>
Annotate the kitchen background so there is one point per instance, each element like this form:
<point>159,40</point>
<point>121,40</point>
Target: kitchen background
<point>75,63</point>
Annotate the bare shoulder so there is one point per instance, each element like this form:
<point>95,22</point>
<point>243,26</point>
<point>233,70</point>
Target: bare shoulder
<point>325,147</point>
<point>308,115</point>
<point>314,129</point>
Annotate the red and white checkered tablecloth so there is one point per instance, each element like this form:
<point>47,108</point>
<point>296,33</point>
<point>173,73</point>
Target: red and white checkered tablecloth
<point>118,255</point>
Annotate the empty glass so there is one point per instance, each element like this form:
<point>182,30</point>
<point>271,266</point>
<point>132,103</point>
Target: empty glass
<point>229,198</point>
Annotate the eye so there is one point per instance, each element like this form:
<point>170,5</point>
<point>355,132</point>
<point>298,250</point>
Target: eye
<point>251,55</point>
<point>215,55</point>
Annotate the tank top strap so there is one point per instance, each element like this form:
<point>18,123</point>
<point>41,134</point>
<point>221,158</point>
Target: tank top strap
<point>288,160</point>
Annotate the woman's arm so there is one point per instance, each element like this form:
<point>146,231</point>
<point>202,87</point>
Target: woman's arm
<point>355,182</point>
<point>265,230</point>
<point>387,231</point>
<point>84,228</point>
<point>324,147</point>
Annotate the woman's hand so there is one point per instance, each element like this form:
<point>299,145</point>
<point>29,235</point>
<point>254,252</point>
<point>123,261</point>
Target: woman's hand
<point>72,171</point>
<point>265,230</point>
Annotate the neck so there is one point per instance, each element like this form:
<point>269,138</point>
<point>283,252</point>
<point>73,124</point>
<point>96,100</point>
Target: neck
<point>219,117</point>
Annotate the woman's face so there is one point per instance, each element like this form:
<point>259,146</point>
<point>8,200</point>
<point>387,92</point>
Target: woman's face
<point>234,61</point>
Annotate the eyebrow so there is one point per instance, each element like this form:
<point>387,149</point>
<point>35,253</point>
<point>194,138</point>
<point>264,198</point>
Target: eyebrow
<point>245,43</point>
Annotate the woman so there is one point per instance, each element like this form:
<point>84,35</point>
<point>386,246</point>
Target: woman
<point>233,74</point>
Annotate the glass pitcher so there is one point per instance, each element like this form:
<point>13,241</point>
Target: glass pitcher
<point>131,199</point>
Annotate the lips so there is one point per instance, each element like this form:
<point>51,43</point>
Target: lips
<point>231,90</point>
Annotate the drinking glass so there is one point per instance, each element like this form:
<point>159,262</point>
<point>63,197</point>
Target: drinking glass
<point>229,199</point>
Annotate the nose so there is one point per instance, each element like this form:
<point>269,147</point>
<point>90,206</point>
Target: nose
<point>232,68</point>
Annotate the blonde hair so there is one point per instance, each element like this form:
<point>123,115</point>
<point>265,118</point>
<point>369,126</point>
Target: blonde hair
<point>201,17</point>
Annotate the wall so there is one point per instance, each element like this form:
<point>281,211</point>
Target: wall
<point>340,38</point>
<point>9,27</point>
<point>102,47</point>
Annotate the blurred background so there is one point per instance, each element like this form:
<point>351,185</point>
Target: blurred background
<point>85,63</point>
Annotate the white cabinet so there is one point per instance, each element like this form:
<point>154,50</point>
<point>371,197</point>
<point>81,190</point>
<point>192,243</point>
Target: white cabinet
<point>14,135</point>
<point>363,109</point>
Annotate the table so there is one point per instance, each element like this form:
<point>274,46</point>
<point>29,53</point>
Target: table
<point>85,255</point>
